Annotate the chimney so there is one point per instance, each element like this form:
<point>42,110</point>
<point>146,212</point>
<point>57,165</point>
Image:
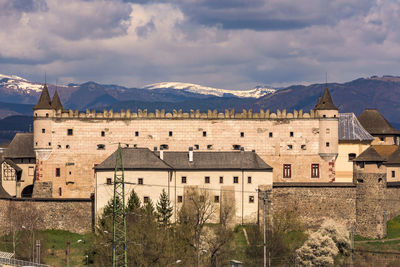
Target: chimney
<point>190,154</point>
<point>161,154</point>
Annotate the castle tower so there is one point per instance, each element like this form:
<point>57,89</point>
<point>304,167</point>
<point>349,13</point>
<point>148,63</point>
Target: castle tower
<point>56,102</point>
<point>43,114</point>
<point>328,130</point>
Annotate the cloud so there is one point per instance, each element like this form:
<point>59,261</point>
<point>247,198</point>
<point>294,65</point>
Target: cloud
<point>226,43</point>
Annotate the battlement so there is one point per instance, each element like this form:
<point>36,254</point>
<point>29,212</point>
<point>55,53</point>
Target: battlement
<point>179,114</point>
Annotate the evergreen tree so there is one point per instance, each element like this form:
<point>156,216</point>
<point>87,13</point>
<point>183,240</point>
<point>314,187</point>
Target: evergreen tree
<point>148,208</point>
<point>164,208</point>
<point>133,202</point>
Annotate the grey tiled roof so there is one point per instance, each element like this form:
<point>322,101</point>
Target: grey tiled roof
<point>374,122</point>
<point>143,158</point>
<point>134,158</point>
<point>325,102</point>
<point>20,147</point>
<point>232,160</point>
<point>350,129</point>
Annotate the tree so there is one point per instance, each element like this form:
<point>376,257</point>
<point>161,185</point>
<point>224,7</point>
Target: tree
<point>164,208</point>
<point>133,202</point>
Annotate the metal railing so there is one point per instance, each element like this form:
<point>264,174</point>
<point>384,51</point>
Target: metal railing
<point>21,263</point>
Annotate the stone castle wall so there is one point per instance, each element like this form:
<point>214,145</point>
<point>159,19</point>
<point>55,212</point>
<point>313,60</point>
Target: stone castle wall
<point>75,215</point>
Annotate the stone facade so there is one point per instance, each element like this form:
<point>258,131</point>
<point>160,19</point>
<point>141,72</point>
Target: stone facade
<point>75,215</point>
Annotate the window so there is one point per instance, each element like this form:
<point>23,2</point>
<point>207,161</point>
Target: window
<point>352,156</point>
<point>43,130</point>
<point>249,179</point>
<point>236,147</point>
<point>393,174</point>
<point>287,170</point>
<point>328,131</point>
<point>236,180</point>
<point>382,138</point>
<point>204,133</point>
<point>290,147</point>
<point>303,147</point>
<point>170,133</point>
<point>136,133</point>
<point>241,134</point>
<point>271,135</point>
<point>251,199</point>
<point>327,144</point>
<point>146,200</point>
<point>183,179</point>
<point>207,179</point>
<point>31,171</point>
<point>323,116</point>
<point>291,134</point>
<point>49,143</point>
<point>58,172</point>
<point>103,133</point>
<point>109,181</point>
<point>67,146</point>
<point>101,146</point>
<point>164,147</point>
<point>60,191</point>
<point>70,132</point>
<point>314,170</point>
<point>140,181</point>
<point>209,147</point>
<point>47,115</point>
<point>58,146</point>
<point>202,198</point>
<point>216,199</point>
<point>35,114</point>
<point>361,165</point>
<point>196,147</point>
<point>180,198</point>
<point>221,179</point>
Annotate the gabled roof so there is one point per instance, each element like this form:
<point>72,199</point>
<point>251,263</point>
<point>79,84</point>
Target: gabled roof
<point>377,153</point>
<point>134,158</point>
<point>44,100</point>
<point>232,160</point>
<point>325,102</point>
<point>394,158</point>
<point>350,129</point>
<point>20,147</point>
<point>374,122</point>
<point>56,102</point>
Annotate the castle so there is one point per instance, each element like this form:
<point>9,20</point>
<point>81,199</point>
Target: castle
<point>319,163</point>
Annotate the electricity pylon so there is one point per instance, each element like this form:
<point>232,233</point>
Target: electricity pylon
<point>119,214</point>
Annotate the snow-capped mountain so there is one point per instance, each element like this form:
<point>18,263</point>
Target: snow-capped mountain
<point>19,84</point>
<point>256,92</point>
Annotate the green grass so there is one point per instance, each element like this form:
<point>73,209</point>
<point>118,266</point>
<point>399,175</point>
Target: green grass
<point>393,228</point>
<point>240,243</point>
<point>361,238</point>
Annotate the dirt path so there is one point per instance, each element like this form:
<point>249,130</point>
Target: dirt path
<point>377,240</point>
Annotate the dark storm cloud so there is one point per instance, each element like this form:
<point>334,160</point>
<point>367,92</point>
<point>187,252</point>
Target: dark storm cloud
<point>28,5</point>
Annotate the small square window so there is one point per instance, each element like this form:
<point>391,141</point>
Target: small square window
<point>393,174</point>
<point>290,147</point>
<point>196,147</point>
<point>70,132</point>
<point>170,133</point>
<point>216,199</point>
<point>303,147</point>
<point>202,199</point>
<point>291,134</point>
<point>180,198</point>
<point>209,147</point>
<point>323,116</point>
<point>58,172</point>
<point>241,134</point>
<point>31,171</point>
<point>67,146</point>
<point>146,200</point>
<point>109,181</point>
<point>271,135</point>
<point>101,146</point>
<point>49,143</point>
<point>236,147</point>
<point>207,179</point>
<point>140,180</point>
<point>251,199</point>
<point>59,146</point>
<point>221,179</point>
<point>103,133</point>
<point>183,179</point>
<point>327,144</point>
<point>43,130</point>
<point>164,147</point>
<point>204,133</point>
<point>249,179</point>
<point>47,115</point>
<point>136,133</point>
<point>236,180</point>
<point>352,156</point>
<point>382,138</point>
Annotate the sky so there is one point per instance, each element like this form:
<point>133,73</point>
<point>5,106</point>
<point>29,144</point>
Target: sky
<point>231,44</point>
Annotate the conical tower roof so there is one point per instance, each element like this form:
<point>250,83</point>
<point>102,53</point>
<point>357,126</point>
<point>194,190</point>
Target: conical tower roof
<point>325,102</point>
<point>44,100</point>
<point>56,102</point>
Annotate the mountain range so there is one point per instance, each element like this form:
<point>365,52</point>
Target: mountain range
<point>18,95</point>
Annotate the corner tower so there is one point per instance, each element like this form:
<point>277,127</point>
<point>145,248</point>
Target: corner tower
<point>328,116</point>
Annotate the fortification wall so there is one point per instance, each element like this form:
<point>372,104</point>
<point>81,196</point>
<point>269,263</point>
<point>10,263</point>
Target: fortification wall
<point>75,215</point>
